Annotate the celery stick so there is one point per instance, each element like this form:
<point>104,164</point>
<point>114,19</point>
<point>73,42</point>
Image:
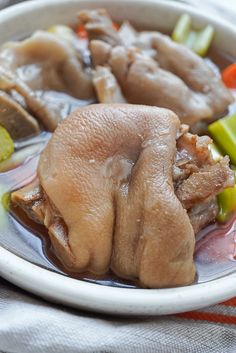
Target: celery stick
<point>203,40</point>
<point>198,41</point>
<point>6,144</point>
<point>3,206</point>
<point>6,201</point>
<point>182,29</point>
<point>227,203</point>
<point>191,39</point>
<point>223,132</point>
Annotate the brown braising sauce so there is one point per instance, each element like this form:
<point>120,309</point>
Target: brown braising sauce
<point>215,252</point>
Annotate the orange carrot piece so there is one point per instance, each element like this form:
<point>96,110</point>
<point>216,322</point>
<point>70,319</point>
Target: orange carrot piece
<point>81,32</point>
<point>115,26</point>
<point>229,76</point>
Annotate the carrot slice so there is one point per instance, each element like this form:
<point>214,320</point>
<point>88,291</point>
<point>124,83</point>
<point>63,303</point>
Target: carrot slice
<point>115,26</point>
<point>229,76</point>
<point>81,32</point>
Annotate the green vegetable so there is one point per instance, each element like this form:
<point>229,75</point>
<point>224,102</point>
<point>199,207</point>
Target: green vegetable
<point>223,132</point>
<point>6,145</point>
<point>182,29</point>
<point>191,39</point>
<point>203,40</point>
<point>20,156</point>
<point>198,41</point>
<point>4,204</point>
<point>227,203</point>
<point>6,201</point>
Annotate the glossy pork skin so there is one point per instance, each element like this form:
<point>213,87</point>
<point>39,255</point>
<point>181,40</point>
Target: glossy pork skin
<point>108,172</point>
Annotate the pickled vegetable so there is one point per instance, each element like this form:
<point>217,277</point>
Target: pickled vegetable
<point>6,145</point>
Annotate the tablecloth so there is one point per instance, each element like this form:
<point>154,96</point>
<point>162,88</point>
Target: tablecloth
<point>30,325</point>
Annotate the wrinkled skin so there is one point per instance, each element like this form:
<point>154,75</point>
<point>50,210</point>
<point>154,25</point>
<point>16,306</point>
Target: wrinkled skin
<point>101,170</point>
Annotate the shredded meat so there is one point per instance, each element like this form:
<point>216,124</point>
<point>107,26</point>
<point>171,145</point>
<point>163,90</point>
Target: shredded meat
<point>203,213</point>
<point>198,179</point>
<point>207,182</point>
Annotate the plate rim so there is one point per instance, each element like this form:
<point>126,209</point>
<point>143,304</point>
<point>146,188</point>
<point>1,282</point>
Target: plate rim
<point>80,294</point>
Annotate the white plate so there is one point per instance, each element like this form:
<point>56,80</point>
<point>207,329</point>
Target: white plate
<point>21,20</point>
<point>112,300</point>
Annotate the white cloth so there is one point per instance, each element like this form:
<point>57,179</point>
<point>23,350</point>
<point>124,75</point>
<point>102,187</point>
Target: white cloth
<point>30,325</point>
